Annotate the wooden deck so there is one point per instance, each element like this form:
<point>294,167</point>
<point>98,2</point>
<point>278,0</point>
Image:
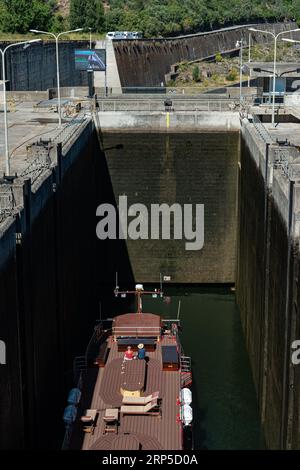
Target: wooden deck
<point>137,432</point>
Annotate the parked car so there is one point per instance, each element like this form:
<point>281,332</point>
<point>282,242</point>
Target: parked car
<point>124,35</point>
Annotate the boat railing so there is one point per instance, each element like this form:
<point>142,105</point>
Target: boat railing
<point>136,330</point>
<point>185,361</point>
<point>81,363</point>
<point>80,366</point>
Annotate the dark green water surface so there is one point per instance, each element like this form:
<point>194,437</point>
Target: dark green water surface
<point>224,401</point>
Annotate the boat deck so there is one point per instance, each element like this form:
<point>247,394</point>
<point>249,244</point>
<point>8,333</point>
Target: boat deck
<point>137,431</point>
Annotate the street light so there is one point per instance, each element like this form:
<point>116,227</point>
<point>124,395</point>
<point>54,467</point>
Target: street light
<point>275,36</point>
<point>57,36</point>
<point>26,44</point>
<point>240,44</point>
<point>90,30</point>
<point>291,40</point>
<point>249,58</point>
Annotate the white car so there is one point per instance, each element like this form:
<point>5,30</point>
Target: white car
<point>124,35</point>
<point>116,35</point>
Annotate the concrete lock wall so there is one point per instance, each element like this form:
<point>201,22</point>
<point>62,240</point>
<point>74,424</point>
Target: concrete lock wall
<point>35,67</point>
<point>189,168</point>
<point>11,409</point>
<point>267,289</point>
<point>49,296</point>
<point>146,62</point>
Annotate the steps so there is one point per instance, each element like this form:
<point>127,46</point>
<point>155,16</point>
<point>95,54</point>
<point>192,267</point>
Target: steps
<point>186,371</point>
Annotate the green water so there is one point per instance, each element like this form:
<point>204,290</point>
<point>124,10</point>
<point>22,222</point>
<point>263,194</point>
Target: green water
<point>224,401</point>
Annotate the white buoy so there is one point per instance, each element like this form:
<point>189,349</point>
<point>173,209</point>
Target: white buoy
<point>186,396</point>
<point>187,414</point>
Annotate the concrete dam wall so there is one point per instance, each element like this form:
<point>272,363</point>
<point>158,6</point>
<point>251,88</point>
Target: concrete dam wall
<point>267,287</point>
<point>34,69</point>
<point>146,62</point>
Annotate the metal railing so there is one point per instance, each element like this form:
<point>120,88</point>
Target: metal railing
<point>70,129</point>
<point>185,361</point>
<point>151,105</point>
<point>80,366</point>
<point>37,167</point>
<point>261,129</point>
<point>7,202</point>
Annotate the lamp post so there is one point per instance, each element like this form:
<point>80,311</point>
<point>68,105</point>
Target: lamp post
<point>3,51</point>
<point>240,44</point>
<point>249,58</point>
<point>90,30</point>
<point>275,36</point>
<point>56,37</point>
<point>291,40</point>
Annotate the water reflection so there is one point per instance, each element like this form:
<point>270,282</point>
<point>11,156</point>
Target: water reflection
<point>224,401</point>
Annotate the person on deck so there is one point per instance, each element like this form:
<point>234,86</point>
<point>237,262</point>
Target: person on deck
<point>141,351</point>
<point>128,356</point>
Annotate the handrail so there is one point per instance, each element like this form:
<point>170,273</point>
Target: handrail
<point>98,336</point>
<point>261,129</point>
<point>150,105</point>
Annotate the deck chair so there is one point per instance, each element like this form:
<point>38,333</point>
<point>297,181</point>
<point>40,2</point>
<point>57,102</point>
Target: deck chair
<point>110,419</point>
<point>149,409</point>
<point>140,400</point>
<point>89,421</point>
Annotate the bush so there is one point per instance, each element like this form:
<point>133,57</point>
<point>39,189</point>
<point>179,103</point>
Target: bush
<point>232,75</point>
<point>196,74</point>
<point>218,57</point>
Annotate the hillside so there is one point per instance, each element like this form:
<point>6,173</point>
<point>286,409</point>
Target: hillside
<point>224,71</point>
<point>153,17</point>
<point>173,17</point>
<point>63,7</point>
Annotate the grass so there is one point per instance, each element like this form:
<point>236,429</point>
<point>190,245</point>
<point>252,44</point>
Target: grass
<point>9,37</point>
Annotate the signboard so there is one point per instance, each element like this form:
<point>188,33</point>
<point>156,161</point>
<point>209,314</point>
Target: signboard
<point>87,59</point>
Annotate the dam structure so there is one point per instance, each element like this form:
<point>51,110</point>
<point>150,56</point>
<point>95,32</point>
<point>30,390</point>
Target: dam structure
<point>55,274</point>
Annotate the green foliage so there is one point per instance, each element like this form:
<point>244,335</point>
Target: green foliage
<point>232,75</point>
<point>58,23</point>
<point>170,17</point>
<point>152,17</point>
<point>218,57</point>
<point>196,73</point>
<point>87,14</point>
<point>18,16</point>
<point>183,66</point>
<point>171,83</point>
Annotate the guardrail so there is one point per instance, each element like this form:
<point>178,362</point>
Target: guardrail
<point>40,162</point>
<point>70,129</point>
<point>144,105</point>
<point>7,202</point>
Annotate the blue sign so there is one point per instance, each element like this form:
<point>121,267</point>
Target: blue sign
<point>90,59</point>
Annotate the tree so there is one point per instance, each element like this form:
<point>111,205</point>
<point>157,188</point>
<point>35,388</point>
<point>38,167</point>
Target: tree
<point>196,73</point>
<point>94,15</point>
<point>18,17</point>
<point>77,13</point>
<point>87,14</point>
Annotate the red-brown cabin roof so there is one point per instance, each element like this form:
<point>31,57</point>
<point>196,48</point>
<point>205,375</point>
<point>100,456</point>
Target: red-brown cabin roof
<point>137,325</point>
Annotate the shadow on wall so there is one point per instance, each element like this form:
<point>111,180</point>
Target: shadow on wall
<point>50,287</point>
